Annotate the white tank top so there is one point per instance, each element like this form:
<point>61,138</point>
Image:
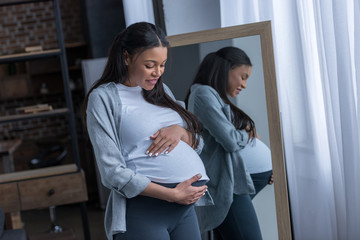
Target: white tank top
<point>140,120</point>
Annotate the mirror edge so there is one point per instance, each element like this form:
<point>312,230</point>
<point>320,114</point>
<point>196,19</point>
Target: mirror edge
<point>276,141</point>
<point>275,132</point>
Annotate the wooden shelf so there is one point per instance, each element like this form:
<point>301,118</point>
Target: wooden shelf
<point>18,117</point>
<point>30,189</point>
<point>75,44</point>
<point>14,2</point>
<point>54,71</point>
<point>9,146</point>
<point>28,56</point>
<point>38,173</point>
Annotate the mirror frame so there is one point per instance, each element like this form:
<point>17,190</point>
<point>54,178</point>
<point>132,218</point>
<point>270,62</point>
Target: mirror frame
<point>276,141</point>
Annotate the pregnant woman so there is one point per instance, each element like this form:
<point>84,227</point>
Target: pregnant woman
<point>145,143</point>
<point>229,137</point>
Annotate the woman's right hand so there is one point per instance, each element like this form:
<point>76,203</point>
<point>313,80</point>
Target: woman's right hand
<point>250,133</point>
<point>166,138</point>
<point>185,193</point>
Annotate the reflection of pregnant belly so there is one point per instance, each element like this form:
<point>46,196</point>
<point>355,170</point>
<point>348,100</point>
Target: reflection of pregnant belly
<point>256,156</point>
<point>180,164</point>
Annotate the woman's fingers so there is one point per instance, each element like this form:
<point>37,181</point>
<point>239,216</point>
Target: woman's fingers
<point>158,142</point>
<point>193,179</point>
<point>158,147</point>
<point>164,139</point>
<point>271,180</point>
<point>191,199</point>
<point>189,194</point>
<point>198,195</point>
<point>171,147</point>
<point>155,146</point>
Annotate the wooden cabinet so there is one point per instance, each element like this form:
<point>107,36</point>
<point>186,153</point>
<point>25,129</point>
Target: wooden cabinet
<point>41,188</point>
<point>9,197</point>
<point>52,191</point>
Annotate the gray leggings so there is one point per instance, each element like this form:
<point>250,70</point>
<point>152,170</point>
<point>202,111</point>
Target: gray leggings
<point>260,180</point>
<point>241,222</point>
<point>153,219</point>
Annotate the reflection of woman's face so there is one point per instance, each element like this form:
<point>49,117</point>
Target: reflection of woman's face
<point>237,79</point>
<point>145,69</point>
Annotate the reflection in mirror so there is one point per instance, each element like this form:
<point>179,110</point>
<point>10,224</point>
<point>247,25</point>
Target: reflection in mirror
<point>183,63</point>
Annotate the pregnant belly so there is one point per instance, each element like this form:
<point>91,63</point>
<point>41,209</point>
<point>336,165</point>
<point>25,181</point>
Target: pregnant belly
<point>179,165</point>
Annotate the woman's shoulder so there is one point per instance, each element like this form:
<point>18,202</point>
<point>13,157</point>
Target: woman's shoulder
<point>205,91</point>
<point>107,92</point>
<point>200,89</point>
<point>104,88</point>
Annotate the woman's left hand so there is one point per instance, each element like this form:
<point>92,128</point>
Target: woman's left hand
<point>166,138</point>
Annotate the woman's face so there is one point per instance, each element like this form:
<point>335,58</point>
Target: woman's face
<point>237,79</point>
<point>145,69</point>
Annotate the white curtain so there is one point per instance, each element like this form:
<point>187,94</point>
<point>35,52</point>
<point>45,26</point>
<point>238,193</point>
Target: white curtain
<point>317,55</point>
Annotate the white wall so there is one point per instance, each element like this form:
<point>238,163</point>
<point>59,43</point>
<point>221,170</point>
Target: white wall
<point>191,15</point>
<point>138,11</point>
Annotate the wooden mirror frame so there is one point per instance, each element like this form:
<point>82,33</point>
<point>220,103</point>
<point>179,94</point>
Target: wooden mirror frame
<point>276,141</point>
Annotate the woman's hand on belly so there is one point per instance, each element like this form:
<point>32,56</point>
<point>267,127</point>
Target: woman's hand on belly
<point>166,138</point>
<point>184,193</point>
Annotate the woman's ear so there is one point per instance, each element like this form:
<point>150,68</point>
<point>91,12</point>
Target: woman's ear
<point>126,58</point>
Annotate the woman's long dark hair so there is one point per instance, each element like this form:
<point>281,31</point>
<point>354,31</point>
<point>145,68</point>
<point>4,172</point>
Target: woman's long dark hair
<point>135,39</point>
<point>214,71</point>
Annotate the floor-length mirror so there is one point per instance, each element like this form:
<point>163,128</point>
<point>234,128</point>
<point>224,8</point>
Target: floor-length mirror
<point>258,100</point>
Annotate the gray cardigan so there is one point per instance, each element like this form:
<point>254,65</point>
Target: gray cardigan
<point>222,142</point>
<point>103,116</point>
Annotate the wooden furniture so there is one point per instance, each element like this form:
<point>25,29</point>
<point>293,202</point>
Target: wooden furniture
<point>51,186</point>
<point>6,234</point>
<point>59,53</point>
<point>40,188</point>
<point>7,148</point>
